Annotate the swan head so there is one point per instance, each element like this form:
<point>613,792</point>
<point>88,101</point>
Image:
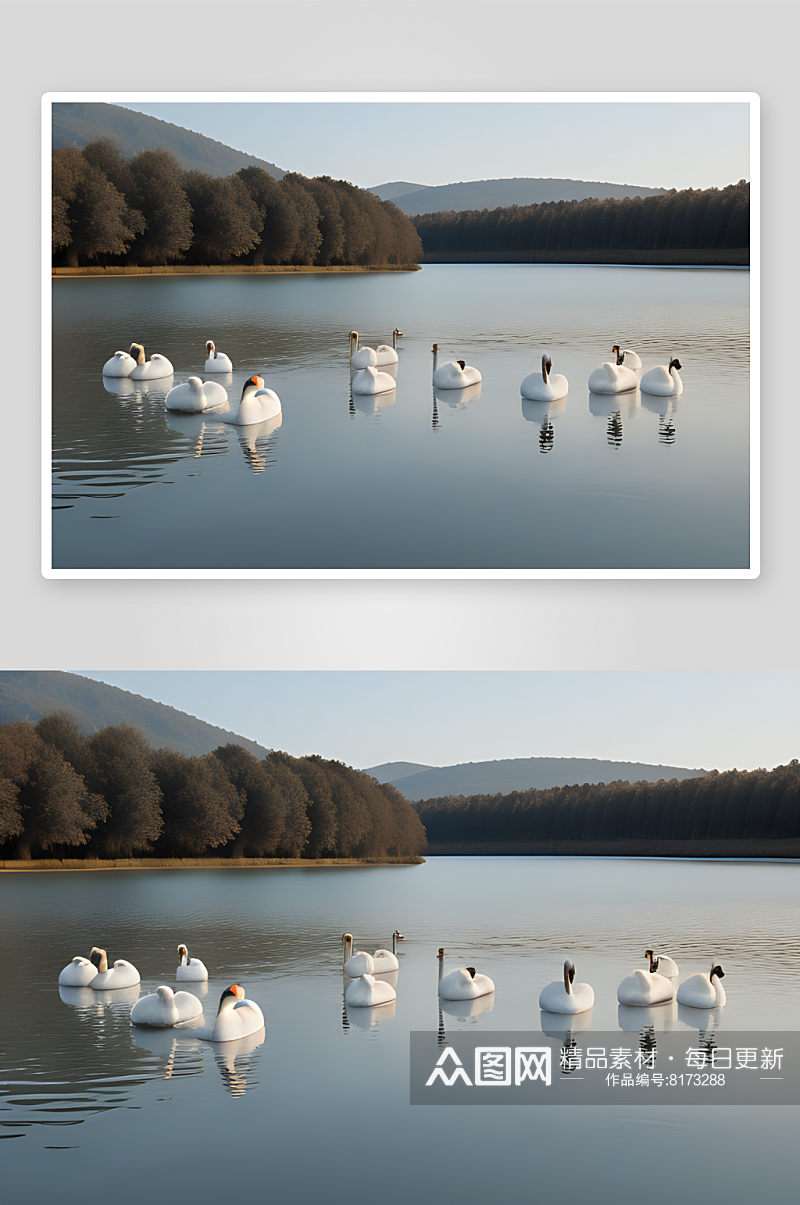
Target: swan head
<point>620,356</point>
<point>398,334</point>
<point>165,994</point>
<point>471,972</point>
<point>210,348</point>
<point>462,364</point>
<point>547,365</point>
<point>234,991</point>
<point>649,956</point>
<point>183,952</point>
<point>99,958</point>
<point>137,351</point>
<point>399,936</point>
<point>195,384</point>
<point>253,383</point>
<point>674,363</point>
<point>569,976</point>
<point>717,970</point>
<point>353,342</point>
<point>440,955</point>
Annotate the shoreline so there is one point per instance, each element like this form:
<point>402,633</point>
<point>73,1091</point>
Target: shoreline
<point>15,866</point>
<point>733,257</point>
<point>744,848</point>
<point>99,273</point>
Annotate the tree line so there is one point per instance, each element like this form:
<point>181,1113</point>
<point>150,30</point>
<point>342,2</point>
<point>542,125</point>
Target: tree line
<point>109,795</point>
<point>148,211</point>
<point>706,218</point>
<point>734,805</point>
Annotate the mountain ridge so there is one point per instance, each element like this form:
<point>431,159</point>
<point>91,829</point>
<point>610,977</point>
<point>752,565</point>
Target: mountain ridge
<point>504,192</point>
<point>529,773</point>
<point>31,694</point>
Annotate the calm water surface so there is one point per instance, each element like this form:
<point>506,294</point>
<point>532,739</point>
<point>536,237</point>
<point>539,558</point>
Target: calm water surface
<point>318,1108</point>
<point>412,479</point>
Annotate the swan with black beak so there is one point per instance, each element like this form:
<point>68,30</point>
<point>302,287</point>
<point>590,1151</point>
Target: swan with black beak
<point>541,386</point>
<point>566,997</point>
<point>703,991</point>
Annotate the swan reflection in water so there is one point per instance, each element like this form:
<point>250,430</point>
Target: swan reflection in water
<point>564,1025</point>
<point>542,413</point>
<point>457,399</point>
<point>467,1010</point>
<point>659,1017</point>
<point>616,409</point>
<point>205,436</point>
<point>666,408</point>
<point>372,403</point>
<point>95,1003</point>
<point>181,1053</point>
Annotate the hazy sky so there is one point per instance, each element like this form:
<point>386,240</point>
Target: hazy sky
<point>669,145</point>
<point>708,720</point>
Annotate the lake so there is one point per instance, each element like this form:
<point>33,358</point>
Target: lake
<point>319,1109</point>
<point>416,479</point>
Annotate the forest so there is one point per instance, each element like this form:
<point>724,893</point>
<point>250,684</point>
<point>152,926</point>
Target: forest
<point>147,211</point>
<point>110,795</point>
<point>737,804</point>
<point>706,218</point>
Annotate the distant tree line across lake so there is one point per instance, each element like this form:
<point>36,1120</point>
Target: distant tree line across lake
<point>709,218</point>
<point>109,795</point>
<point>147,211</point>
<point>735,805</point>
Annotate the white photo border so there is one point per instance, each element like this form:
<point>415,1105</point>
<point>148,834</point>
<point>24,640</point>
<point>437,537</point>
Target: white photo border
<point>750,98</point>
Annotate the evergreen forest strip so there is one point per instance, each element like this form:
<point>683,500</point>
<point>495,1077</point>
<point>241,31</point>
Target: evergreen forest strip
<point>706,226</point>
<point>147,211</point>
<point>109,795</point>
<point>737,813</point>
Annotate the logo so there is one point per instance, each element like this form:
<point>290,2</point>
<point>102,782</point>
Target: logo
<point>494,1065</point>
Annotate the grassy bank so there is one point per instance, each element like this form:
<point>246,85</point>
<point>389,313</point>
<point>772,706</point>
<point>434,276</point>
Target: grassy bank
<point>196,863</point>
<point>736,257</point>
<point>224,270</point>
<point>618,849</point>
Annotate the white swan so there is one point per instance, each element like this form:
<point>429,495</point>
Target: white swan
<point>191,969</point>
<point>78,973</point>
<point>121,364</point>
<point>361,963</point>
<point>703,991</point>
<point>663,381</point>
<point>236,1017</point>
<point>630,357</point>
<point>462,984</point>
<point>566,997</point>
<point>217,360</point>
<point>663,964</point>
<point>617,377</point>
<point>122,974</point>
<point>149,370</point>
<point>542,387</point>
<point>166,1008</point>
<point>367,992</point>
<point>455,374</point>
<point>257,404</point>
<point>369,357</point>
<point>645,987</point>
<point>369,380</point>
<point>195,396</point>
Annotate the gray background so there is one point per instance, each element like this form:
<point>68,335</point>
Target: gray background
<point>438,46</point>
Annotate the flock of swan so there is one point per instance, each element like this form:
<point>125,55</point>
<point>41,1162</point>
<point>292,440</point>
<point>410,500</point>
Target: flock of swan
<point>368,985</point>
<point>621,375</point>
<point>236,1017</point>
<point>196,396</point>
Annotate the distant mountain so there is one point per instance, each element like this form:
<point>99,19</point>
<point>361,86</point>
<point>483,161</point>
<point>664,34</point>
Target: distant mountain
<point>497,194</point>
<point>76,123</point>
<point>31,694</point>
<point>399,188</point>
<point>393,771</point>
<point>525,773</point>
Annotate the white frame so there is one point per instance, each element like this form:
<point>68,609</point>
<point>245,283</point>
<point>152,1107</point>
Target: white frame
<point>749,98</point>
